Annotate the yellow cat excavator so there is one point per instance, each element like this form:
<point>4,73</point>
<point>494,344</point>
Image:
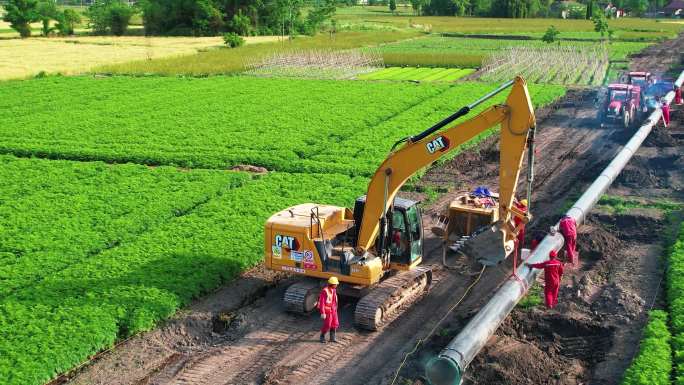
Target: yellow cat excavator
<point>376,250</point>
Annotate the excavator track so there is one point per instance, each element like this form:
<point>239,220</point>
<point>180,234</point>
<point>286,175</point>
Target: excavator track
<point>302,297</point>
<point>377,307</point>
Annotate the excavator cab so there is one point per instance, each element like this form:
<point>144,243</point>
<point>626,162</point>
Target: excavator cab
<point>404,238</point>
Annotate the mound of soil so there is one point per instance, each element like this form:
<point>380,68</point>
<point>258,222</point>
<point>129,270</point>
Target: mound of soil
<point>596,242</point>
<point>537,348</point>
<point>513,362</point>
<point>615,299</point>
<point>635,177</point>
<point>660,137</point>
<point>640,225</point>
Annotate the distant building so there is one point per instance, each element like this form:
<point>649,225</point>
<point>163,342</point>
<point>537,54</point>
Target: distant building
<point>675,8</point>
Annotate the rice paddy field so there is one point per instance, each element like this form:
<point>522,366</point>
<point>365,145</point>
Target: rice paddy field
<point>23,58</point>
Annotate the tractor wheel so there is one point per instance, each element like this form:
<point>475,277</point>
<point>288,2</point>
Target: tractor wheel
<point>626,119</point>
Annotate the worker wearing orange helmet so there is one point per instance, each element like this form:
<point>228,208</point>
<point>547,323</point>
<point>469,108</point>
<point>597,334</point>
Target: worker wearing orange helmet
<point>553,271</point>
<point>327,305</point>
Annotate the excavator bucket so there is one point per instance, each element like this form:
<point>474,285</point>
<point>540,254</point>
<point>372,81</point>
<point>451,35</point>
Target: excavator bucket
<point>489,246</point>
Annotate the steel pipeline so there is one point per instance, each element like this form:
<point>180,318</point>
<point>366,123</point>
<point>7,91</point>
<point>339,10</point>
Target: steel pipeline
<point>448,367</point>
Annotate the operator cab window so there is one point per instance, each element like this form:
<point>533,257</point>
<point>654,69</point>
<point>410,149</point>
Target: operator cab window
<point>620,95</point>
<point>414,221</point>
<point>399,233</point>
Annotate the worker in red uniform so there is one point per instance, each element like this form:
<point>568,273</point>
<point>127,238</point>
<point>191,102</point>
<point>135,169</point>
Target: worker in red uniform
<point>327,305</point>
<point>666,112</point>
<point>678,95</point>
<point>553,271</point>
<point>520,240</point>
<point>568,228</point>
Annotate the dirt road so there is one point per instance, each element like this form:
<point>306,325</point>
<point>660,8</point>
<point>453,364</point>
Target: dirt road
<point>241,335</point>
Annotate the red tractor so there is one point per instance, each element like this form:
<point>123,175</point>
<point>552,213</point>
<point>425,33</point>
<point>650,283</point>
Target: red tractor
<point>621,105</point>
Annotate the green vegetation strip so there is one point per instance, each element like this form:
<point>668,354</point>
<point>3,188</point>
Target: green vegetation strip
<point>675,298</point>
<point>439,46</point>
<point>653,364</point>
<point>619,205</point>
<point>628,28</point>
<point>418,74</point>
<point>59,321</point>
<point>288,125</point>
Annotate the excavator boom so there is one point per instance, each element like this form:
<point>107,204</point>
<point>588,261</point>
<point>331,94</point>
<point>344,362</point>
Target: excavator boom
<point>516,118</point>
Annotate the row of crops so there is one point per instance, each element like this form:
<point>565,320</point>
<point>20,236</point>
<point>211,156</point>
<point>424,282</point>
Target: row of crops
<point>564,62</point>
<point>59,312</point>
<point>662,345</point>
<point>319,126</point>
<point>91,252</point>
<point>418,74</point>
<point>675,299</point>
<point>570,66</point>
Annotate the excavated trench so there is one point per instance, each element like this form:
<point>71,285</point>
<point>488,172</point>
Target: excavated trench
<point>576,342</point>
<point>592,336</point>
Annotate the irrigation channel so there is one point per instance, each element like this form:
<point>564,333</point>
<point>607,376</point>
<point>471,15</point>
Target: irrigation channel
<point>448,367</point>
<point>241,335</point>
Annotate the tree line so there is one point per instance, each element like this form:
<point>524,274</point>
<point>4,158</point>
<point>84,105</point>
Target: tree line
<point>275,17</point>
<point>176,17</point>
<point>583,9</point>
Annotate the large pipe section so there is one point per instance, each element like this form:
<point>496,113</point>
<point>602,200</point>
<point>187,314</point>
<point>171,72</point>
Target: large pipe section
<point>448,367</point>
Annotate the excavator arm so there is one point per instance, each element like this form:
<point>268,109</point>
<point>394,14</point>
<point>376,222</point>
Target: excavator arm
<point>516,118</point>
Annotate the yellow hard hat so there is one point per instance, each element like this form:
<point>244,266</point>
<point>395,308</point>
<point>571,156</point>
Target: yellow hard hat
<point>333,281</point>
<point>523,202</point>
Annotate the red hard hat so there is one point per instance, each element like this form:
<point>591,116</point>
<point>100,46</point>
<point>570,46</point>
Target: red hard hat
<point>553,254</point>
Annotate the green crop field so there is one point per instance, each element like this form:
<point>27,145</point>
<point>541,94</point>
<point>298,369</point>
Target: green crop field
<point>93,252</point>
<point>118,203</point>
<point>463,52</point>
<point>472,46</point>
<point>675,299</point>
<point>282,124</point>
<point>624,28</point>
<point>108,289</point>
<point>418,74</point>
<point>60,213</point>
